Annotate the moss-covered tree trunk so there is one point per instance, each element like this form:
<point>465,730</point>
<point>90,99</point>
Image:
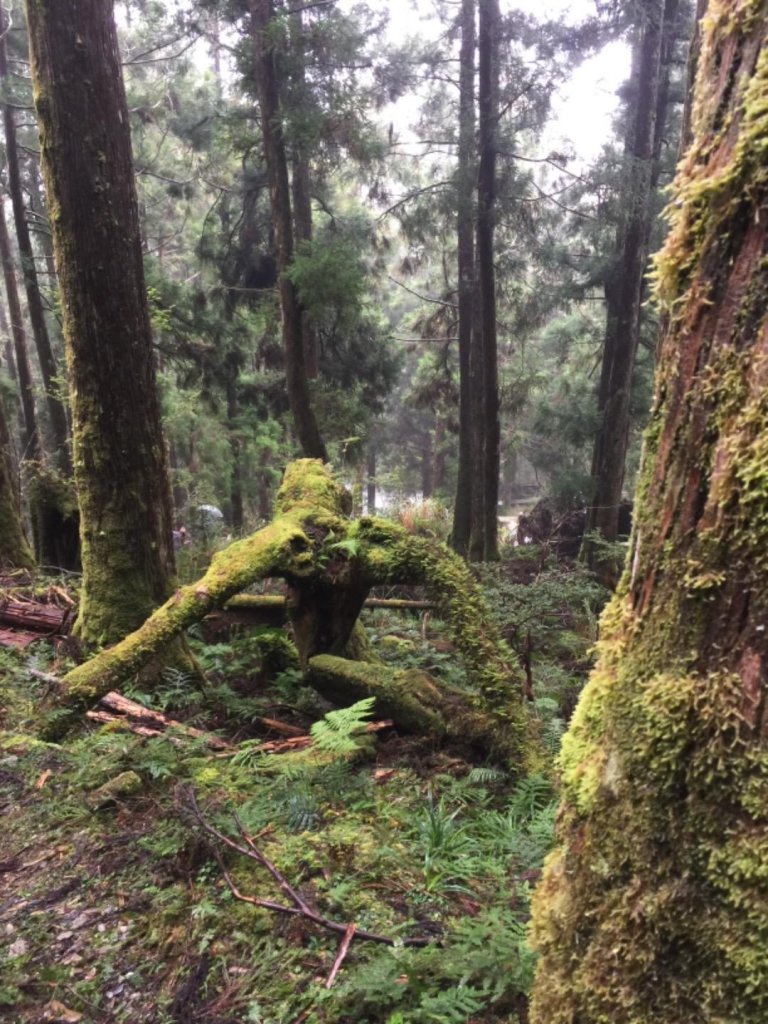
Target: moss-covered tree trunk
<point>653,908</point>
<point>120,463</point>
<point>14,549</point>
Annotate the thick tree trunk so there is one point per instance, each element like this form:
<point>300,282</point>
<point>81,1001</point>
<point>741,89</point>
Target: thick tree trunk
<point>53,385</point>
<point>120,464</point>
<point>488,105</point>
<point>653,906</point>
<point>462,511</point>
<point>623,294</point>
<point>307,431</point>
<point>32,447</point>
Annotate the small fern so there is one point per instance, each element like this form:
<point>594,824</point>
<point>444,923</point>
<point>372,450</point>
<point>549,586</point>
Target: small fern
<point>336,733</point>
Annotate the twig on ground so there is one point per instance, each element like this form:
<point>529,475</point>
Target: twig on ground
<point>349,934</point>
<point>300,906</point>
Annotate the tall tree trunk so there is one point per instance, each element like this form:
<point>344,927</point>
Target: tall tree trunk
<point>488,65</point>
<point>301,180</point>
<point>32,448</point>
<point>652,907</point>
<point>53,385</point>
<point>462,510</point>
<point>623,295</point>
<point>262,20</point>
<point>119,453</point>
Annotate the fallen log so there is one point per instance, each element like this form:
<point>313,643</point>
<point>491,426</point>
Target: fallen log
<point>146,722</point>
<point>411,699</point>
<point>329,564</point>
<point>34,615</point>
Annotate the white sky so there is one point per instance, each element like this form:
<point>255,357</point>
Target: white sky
<point>583,107</point>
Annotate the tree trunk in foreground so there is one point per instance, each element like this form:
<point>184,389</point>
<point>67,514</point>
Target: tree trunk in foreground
<point>623,294</point>
<point>262,27</point>
<point>120,465</point>
<point>329,564</point>
<point>652,907</point>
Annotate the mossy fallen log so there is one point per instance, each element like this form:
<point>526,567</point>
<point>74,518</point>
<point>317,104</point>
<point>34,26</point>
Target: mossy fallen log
<point>414,701</point>
<point>329,564</point>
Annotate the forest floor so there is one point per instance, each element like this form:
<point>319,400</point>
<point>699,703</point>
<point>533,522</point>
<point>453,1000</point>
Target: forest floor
<point>119,903</point>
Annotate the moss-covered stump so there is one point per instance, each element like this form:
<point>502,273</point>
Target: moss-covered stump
<point>653,908</point>
<point>329,564</point>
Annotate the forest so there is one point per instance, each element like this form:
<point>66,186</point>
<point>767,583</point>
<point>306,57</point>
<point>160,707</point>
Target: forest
<point>383,487</point>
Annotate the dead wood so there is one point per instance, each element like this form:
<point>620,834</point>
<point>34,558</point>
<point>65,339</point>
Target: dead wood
<point>300,907</point>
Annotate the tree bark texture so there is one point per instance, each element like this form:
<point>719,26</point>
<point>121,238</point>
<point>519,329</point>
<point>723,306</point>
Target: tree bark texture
<point>120,461</point>
<point>652,907</point>
<point>53,385</point>
<point>623,293</point>
<point>14,549</point>
<point>262,27</point>
<point>488,109</point>
<point>462,511</point>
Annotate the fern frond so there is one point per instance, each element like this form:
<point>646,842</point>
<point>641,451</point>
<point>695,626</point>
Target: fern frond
<point>335,734</point>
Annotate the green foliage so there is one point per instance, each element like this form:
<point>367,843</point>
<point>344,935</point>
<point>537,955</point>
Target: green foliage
<point>338,732</point>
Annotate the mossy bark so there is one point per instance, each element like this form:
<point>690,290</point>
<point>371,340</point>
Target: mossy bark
<point>653,907</point>
<point>414,702</point>
<point>329,563</point>
<point>14,549</point>
<point>119,454</point>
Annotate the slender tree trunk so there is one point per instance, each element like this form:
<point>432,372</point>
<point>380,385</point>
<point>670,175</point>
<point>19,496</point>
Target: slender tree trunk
<point>652,906</point>
<point>235,445</point>
<point>477,422</point>
<point>301,182</point>
<point>308,433</point>
<point>426,464</point>
<point>32,449</point>
<point>14,549</point>
<point>438,455</point>
<point>370,503</point>
<point>488,63</point>
<point>462,511</point>
<point>623,297</point>
<point>51,381</point>
<point>119,453</point>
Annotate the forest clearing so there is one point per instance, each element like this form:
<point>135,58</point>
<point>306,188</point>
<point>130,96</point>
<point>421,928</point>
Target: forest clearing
<point>383,511</point>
